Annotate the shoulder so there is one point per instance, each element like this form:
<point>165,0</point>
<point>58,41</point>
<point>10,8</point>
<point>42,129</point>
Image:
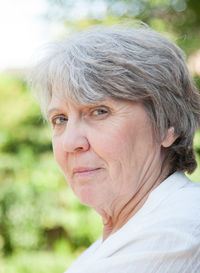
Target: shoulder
<point>184,198</point>
<point>169,222</point>
<point>176,207</point>
<point>177,192</point>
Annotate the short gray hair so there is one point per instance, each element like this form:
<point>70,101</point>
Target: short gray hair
<point>136,64</point>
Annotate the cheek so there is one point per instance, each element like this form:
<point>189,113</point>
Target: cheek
<point>126,146</point>
<point>105,145</point>
<point>112,147</point>
<point>58,152</point>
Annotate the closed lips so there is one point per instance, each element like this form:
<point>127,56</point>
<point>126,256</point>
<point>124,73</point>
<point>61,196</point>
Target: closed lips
<point>83,170</point>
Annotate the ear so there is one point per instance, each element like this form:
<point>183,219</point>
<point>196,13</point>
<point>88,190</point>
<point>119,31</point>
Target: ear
<point>169,138</point>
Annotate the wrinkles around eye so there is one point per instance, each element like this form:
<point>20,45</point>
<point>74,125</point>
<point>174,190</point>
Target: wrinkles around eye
<point>58,120</point>
<point>99,111</point>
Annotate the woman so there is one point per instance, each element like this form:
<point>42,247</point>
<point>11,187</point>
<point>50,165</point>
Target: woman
<point>124,111</point>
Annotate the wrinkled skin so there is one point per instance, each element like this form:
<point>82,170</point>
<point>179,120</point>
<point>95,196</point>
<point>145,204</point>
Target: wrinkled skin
<point>109,155</point>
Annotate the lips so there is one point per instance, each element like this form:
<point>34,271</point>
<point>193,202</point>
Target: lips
<point>84,171</point>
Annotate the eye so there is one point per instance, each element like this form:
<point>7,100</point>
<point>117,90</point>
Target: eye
<point>58,120</point>
<point>100,111</point>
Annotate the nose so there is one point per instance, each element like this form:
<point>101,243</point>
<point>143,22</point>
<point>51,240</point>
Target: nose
<point>74,139</point>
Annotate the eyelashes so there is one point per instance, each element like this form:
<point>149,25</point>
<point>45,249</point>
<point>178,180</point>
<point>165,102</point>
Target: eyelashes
<point>58,120</point>
<point>100,111</point>
<point>94,113</point>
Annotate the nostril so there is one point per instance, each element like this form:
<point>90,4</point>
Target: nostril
<point>79,149</point>
<point>77,144</point>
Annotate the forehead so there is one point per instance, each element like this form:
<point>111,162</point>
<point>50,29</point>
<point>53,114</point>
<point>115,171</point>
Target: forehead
<point>77,95</point>
<point>62,98</point>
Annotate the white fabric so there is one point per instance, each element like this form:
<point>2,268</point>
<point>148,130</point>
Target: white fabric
<point>163,237</point>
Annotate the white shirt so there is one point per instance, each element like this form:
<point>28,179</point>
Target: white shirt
<point>162,237</point>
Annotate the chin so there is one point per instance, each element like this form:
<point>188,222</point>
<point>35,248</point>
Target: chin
<point>87,196</point>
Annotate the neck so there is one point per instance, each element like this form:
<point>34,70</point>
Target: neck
<point>115,220</point>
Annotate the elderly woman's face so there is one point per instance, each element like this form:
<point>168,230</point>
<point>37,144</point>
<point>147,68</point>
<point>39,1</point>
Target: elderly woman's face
<point>104,150</point>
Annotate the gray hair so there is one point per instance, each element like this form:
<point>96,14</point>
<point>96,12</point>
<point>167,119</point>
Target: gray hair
<point>136,64</point>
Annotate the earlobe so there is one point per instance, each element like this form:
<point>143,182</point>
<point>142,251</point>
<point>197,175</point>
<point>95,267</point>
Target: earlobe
<point>169,138</point>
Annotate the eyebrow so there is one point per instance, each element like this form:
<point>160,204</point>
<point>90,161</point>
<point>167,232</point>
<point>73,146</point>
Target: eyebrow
<point>52,110</point>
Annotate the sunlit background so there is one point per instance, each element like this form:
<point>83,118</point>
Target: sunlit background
<point>43,227</point>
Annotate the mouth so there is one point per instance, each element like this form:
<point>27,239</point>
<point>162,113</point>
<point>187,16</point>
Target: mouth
<point>82,171</point>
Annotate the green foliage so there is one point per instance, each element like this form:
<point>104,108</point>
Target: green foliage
<point>197,81</point>
<point>43,227</point>
<point>40,262</point>
<point>180,17</point>
<point>40,218</point>
<point>38,211</point>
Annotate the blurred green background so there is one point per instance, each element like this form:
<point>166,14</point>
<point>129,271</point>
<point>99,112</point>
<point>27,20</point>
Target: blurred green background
<point>43,227</point>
